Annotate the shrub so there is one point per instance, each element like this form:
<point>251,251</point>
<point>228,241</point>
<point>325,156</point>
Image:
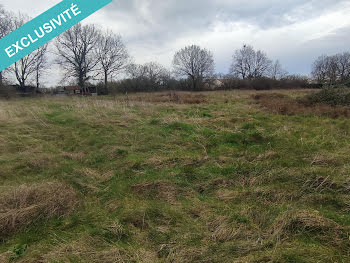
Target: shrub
<point>330,96</point>
<point>265,83</point>
<point>7,91</point>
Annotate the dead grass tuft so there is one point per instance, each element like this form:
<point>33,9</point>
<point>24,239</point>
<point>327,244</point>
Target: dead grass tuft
<point>321,184</point>
<point>180,254</point>
<point>227,195</point>
<point>88,249</point>
<point>93,175</point>
<point>217,183</point>
<point>265,156</point>
<point>303,221</point>
<point>281,104</point>
<point>116,230</point>
<point>73,156</point>
<point>323,160</point>
<point>222,230</point>
<point>26,204</point>
<point>160,189</point>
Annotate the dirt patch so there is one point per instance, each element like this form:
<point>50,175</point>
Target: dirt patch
<point>171,97</point>
<point>26,204</point>
<point>160,190</point>
<point>282,104</point>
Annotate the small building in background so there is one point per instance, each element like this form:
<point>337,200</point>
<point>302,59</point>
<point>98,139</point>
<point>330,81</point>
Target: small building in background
<point>72,90</point>
<point>76,90</point>
<point>214,84</point>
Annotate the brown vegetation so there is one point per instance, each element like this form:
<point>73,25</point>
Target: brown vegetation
<point>161,189</point>
<point>73,156</point>
<point>88,250</point>
<point>282,104</point>
<point>294,222</point>
<point>26,204</point>
<point>222,230</point>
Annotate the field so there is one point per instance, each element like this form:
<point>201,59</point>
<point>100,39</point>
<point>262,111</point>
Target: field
<point>175,178</point>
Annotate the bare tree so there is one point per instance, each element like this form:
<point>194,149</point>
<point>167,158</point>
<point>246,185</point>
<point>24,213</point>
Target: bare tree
<point>31,64</point>
<point>135,71</point>
<point>249,64</point>
<point>112,55</point>
<point>343,64</point>
<point>241,62</point>
<point>156,73</point>
<point>332,69</point>
<point>76,52</point>
<point>150,76</point>
<point>261,65</point>
<point>319,69</point>
<point>28,66</point>
<point>277,72</point>
<point>6,26</point>
<point>41,64</point>
<point>195,63</point>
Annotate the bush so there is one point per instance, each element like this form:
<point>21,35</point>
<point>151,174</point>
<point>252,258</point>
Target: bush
<point>295,82</point>
<point>146,85</point>
<point>7,91</point>
<point>331,96</point>
<point>265,83</point>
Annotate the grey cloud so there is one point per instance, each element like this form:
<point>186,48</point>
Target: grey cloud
<point>154,29</point>
<point>165,18</point>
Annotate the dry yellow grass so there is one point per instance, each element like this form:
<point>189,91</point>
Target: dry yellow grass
<point>25,204</point>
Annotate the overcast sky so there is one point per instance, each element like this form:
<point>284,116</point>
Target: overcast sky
<point>293,31</point>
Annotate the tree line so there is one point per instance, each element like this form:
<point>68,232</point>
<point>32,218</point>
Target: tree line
<point>87,54</point>
<point>84,52</point>
<point>332,69</point>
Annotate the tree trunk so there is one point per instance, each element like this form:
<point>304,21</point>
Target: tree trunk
<point>106,80</point>
<point>81,84</point>
<point>22,84</point>
<point>194,84</point>
<point>1,77</point>
<point>37,82</point>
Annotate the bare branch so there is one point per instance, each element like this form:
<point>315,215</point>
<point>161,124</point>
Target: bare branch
<point>195,63</point>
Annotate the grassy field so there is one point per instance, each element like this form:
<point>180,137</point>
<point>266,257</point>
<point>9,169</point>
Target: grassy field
<point>176,178</point>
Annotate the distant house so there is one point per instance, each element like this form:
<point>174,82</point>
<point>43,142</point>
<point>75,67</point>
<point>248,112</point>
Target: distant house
<point>214,84</point>
<point>72,90</point>
<point>75,90</point>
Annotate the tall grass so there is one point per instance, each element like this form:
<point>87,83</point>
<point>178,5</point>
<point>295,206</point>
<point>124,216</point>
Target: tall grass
<point>174,177</point>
